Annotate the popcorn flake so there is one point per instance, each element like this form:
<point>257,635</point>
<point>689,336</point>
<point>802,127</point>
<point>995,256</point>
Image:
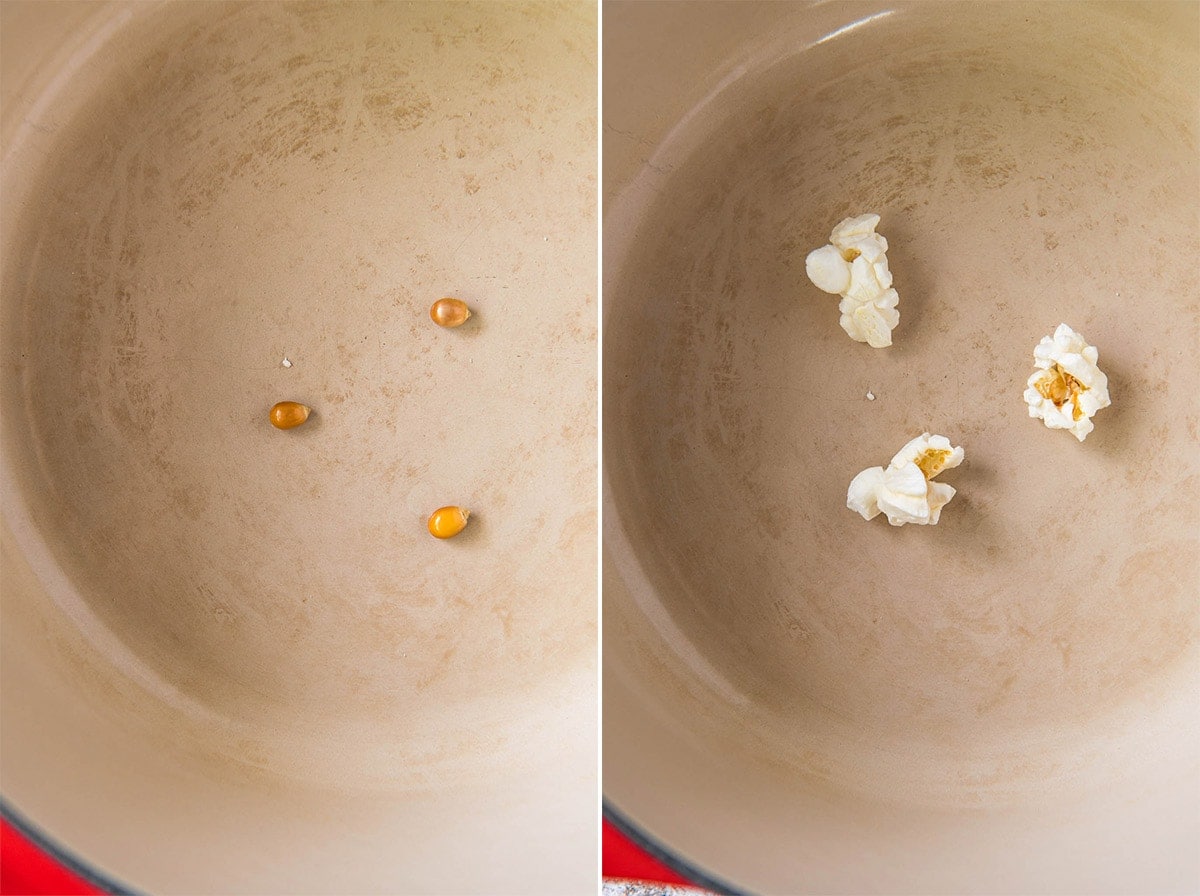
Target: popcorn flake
<point>854,265</point>
<point>1068,387</point>
<point>905,490</point>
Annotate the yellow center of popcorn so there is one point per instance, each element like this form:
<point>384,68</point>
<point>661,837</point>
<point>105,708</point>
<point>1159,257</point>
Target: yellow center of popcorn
<point>1058,386</point>
<point>932,461</point>
<point>851,254</point>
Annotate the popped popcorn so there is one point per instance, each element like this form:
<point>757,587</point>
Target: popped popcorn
<point>855,267</point>
<point>1067,388</point>
<point>905,490</point>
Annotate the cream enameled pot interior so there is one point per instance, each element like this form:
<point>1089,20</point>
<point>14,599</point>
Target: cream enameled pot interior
<point>233,658</point>
<point>796,700</point>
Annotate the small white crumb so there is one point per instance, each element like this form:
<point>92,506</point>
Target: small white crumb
<point>545,239</point>
<point>854,265</point>
<point>870,395</point>
<point>286,363</point>
<point>905,490</point>
<point>1068,387</point>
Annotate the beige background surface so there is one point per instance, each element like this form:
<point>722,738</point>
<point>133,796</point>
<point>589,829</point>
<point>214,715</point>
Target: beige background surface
<point>233,656</point>
<point>800,701</point>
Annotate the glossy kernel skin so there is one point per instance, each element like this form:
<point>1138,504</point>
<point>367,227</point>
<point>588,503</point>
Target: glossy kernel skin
<point>449,312</point>
<point>288,414</point>
<point>446,522</point>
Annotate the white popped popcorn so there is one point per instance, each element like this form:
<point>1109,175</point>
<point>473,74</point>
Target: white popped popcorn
<point>828,270</point>
<point>905,490</point>
<point>855,267</point>
<point>1067,388</point>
